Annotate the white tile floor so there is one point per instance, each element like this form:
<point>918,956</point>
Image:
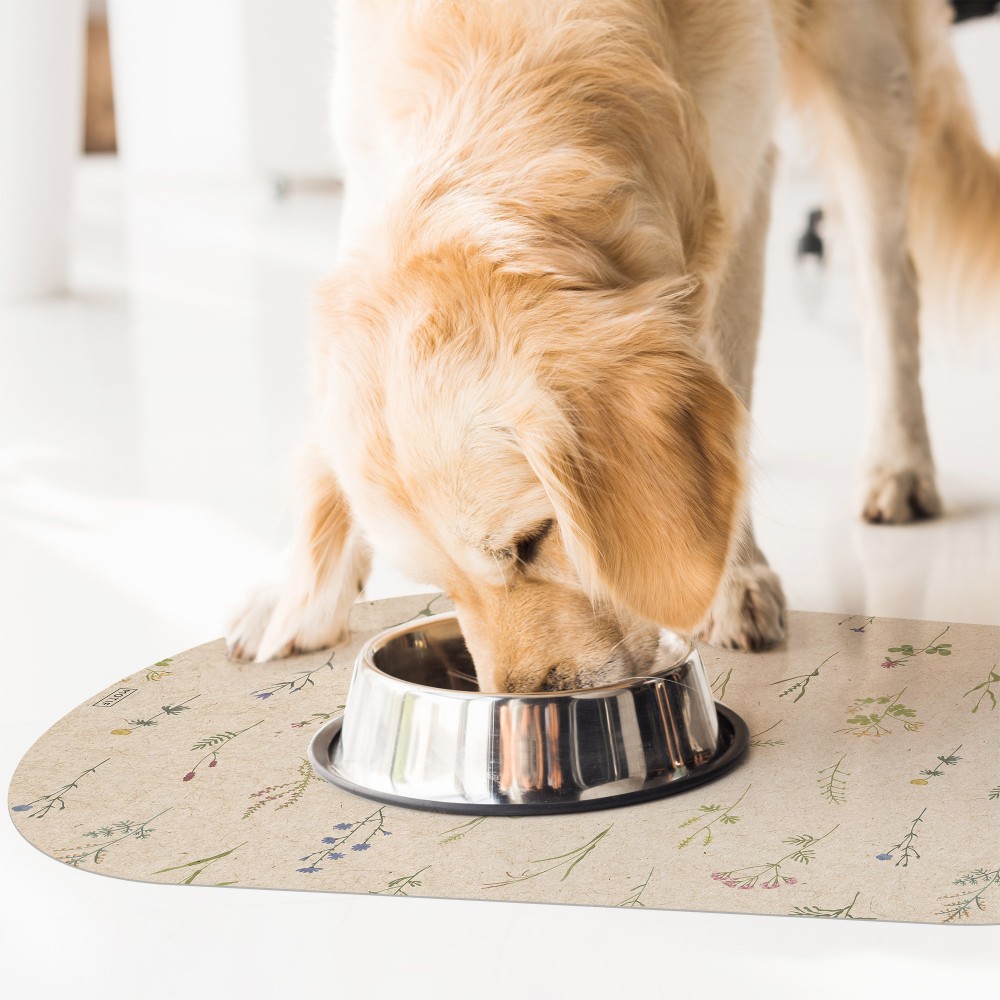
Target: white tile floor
<point>143,425</point>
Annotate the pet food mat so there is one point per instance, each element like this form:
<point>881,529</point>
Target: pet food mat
<point>871,789</point>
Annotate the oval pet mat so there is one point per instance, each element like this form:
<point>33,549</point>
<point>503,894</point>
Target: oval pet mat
<point>871,789</point>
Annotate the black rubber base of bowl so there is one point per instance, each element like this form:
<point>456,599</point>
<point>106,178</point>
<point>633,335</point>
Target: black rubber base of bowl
<point>734,739</point>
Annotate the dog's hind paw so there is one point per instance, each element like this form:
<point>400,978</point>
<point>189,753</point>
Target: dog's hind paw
<point>748,612</point>
<point>900,497</point>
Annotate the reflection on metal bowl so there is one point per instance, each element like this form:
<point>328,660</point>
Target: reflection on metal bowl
<point>417,732</point>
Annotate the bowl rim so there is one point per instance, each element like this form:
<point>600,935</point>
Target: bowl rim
<point>366,660</point>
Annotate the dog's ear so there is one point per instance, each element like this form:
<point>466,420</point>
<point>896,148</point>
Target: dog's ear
<point>640,452</point>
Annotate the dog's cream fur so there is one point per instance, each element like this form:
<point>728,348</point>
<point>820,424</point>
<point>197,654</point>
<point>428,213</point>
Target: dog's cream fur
<point>537,351</point>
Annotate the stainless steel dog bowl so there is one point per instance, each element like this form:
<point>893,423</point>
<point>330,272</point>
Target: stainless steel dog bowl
<point>417,732</point>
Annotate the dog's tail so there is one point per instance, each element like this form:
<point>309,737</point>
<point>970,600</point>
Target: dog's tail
<point>954,214</point>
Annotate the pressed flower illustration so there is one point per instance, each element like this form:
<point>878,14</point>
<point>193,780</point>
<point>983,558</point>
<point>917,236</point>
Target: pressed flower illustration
<point>296,683</point>
<point>904,849</point>
<point>205,863</point>
<point>109,836</point>
<point>958,905</point>
<point>878,711</point>
<point>631,902</point>
<point>906,651</point>
<point>167,710</point>
<point>157,672</point>
<point>216,742</point>
<point>567,861</point>
<point>425,612</point>
<point>454,833</point>
<point>832,913</point>
<point>317,717</point>
<point>398,886</point>
<point>833,783</point>
<point>756,741</point>
<point>768,874</point>
<point>286,794</point>
<point>721,682</point>
<point>985,690</point>
<point>801,681</point>
<point>335,848</point>
<point>39,808</point>
<point>711,814</point>
<point>949,760</point>
<point>854,618</point>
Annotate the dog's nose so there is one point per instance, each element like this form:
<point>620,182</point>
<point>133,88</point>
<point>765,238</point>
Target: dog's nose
<point>560,677</point>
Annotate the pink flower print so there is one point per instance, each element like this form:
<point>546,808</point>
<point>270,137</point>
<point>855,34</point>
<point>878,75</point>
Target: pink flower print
<point>188,776</point>
<point>887,663</point>
<point>212,762</point>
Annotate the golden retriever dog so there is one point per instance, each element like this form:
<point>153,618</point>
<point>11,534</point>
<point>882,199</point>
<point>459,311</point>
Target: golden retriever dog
<point>537,350</point>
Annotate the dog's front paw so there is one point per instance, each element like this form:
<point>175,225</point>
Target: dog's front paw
<point>249,625</point>
<point>748,612</point>
<point>897,497</point>
<point>274,624</point>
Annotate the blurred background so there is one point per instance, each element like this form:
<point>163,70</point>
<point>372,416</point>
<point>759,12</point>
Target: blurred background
<point>169,198</point>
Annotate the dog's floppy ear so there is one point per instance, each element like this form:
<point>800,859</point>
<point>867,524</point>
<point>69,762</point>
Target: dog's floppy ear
<point>640,454</point>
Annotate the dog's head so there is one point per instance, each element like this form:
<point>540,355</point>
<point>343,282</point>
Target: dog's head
<point>559,461</point>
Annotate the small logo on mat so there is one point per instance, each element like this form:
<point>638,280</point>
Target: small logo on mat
<point>114,697</point>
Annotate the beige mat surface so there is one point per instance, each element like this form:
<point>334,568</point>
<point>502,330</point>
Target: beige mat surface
<point>871,789</point>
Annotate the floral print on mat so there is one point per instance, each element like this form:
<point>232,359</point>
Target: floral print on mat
<point>976,887</point>
<point>880,713</point>
<point>708,816</point>
<point>215,744</point>
<point>167,710</point>
<point>905,851</point>
<point>107,837</point>
<point>211,787</point>
<point>40,808</point>
<point>833,782</point>
<point>950,760</point>
<point>906,651</point>
<point>769,874</point>
<point>191,876</point>
<point>985,690</point>
<point>560,862</point>
<point>348,839</point>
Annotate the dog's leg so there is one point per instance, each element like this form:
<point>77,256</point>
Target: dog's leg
<point>327,569</point>
<point>856,83</point>
<point>748,611</point>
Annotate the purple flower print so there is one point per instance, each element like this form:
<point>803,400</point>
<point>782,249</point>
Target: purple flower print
<point>263,695</point>
<point>350,836</point>
<point>311,868</point>
<point>21,809</point>
<point>883,857</point>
